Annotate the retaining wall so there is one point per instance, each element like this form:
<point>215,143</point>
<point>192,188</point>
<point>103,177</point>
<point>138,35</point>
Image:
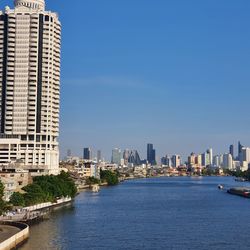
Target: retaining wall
<point>17,239</point>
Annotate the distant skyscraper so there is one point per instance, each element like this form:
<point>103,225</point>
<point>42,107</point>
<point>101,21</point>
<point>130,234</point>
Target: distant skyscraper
<point>227,161</point>
<point>87,154</point>
<point>216,161</point>
<point>245,155</point>
<point>134,158</point>
<point>204,159</point>
<point>163,161</point>
<point>99,155</point>
<point>126,154</point>
<point>116,156</point>
<point>68,153</point>
<point>199,160</point>
<point>149,152</point>
<point>166,161</point>
<point>192,159</point>
<point>239,150</point>
<point>231,150</point>
<point>176,161</point>
<point>30,45</point>
<point>151,155</point>
<point>209,159</point>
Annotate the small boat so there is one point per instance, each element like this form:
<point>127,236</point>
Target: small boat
<point>220,186</point>
<point>240,179</point>
<point>95,188</point>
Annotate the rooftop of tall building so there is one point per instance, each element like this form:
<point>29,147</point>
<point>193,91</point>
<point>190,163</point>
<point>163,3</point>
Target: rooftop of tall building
<point>31,4</point>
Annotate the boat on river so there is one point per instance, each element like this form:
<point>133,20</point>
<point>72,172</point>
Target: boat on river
<point>241,191</point>
<point>240,179</point>
<point>95,188</point>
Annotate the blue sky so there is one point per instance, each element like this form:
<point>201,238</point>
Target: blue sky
<point>172,72</point>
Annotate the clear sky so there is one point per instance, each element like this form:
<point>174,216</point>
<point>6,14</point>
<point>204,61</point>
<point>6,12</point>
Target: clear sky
<point>172,72</point>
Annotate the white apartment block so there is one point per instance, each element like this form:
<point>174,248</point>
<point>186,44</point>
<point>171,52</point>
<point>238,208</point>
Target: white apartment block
<point>30,45</point>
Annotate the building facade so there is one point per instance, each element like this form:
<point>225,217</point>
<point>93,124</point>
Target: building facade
<point>176,161</point>
<point>245,156</point>
<point>231,150</point>
<point>30,45</point>
<point>116,156</point>
<point>240,146</point>
<point>90,169</point>
<point>151,154</point>
<point>14,182</point>
<point>87,154</point>
<point>134,158</point>
<point>99,156</point>
<point>227,161</point>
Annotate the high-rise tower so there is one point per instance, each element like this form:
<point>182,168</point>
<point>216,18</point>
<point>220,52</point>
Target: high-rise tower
<point>239,150</point>
<point>30,45</point>
<point>87,154</point>
<point>151,154</point>
<point>116,156</point>
<point>231,150</point>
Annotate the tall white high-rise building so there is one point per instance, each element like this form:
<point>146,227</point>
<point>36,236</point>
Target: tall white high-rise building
<point>245,155</point>
<point>30,45</point>
<point>216,161</point>
<point>116,156</point>
<point>176,161</point>
<point>227,161</point>
<point>209,157</point>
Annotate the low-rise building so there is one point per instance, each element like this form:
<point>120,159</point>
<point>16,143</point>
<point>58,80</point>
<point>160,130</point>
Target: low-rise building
<point>14,182</point>
<point>88,169</point>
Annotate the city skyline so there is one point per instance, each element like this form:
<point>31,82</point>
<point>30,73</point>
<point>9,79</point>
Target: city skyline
<point>167,79</point>
<point>121,155</point>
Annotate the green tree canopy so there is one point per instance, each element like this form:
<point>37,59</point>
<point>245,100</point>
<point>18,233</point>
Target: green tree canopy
<point>45,189</point>
<point>110,177</point>
<point>17,199</point>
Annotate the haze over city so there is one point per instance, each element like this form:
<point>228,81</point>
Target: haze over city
<point>174,73</point>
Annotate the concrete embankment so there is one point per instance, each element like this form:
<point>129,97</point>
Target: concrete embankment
<point>13,234</point>
<point>28,214</point>
<point>45,205</point>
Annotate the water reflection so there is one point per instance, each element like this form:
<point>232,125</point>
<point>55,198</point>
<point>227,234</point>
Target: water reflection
<point>48,234</point>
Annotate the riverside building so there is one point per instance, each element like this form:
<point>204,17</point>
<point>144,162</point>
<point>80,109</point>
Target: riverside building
<point>30,44</point>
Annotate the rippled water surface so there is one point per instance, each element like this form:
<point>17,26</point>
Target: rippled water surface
<point>163,213</point>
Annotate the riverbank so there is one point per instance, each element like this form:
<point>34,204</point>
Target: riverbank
<point>32,213</point>
<point>13,235</point>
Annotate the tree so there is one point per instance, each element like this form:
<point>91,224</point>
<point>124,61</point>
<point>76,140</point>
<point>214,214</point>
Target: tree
<point>49,188</point>
<point>17,199</point>
<point>92,181</point>
<point>3,206</point>
<point>34,195</point>
<point>109,177</point>
<point>1,190</point>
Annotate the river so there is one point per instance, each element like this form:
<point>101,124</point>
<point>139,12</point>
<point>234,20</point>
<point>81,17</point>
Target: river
<point>161,213</point>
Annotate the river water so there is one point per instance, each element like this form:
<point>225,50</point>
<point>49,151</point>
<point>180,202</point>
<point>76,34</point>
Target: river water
<point>161,213</point>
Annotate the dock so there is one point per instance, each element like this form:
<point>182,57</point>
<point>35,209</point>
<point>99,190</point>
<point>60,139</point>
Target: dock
<point>33,213</point>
